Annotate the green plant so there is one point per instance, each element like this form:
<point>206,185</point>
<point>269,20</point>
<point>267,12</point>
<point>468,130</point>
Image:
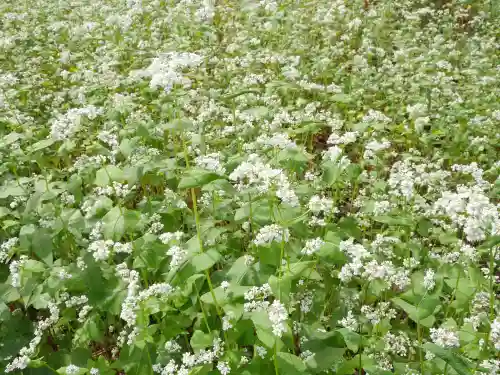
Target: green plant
<point>205,187</point>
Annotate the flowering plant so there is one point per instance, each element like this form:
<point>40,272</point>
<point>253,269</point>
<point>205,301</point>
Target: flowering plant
<point>254,187</point>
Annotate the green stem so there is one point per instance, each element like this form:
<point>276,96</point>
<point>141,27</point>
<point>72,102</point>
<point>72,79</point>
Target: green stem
<point>453,295</point>
<point>276,368</point>
<point>492,294</point>
<point>50,368</point>
<point>198,233</point>
<point>205,318</point>
<point>420,354</point>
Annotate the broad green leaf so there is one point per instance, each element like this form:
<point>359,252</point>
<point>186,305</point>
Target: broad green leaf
<point>106,175</point>
<point>196,178</point>
<point>34,266</point>
<point>40,145</point>
<point>291,364</point>
<point>64,371</point>
<point>113,224</point>
<point>11,189</point>
<point>224,296</point>
<point>324,359</point>
<point>331,173</point>
<point>267,337</point>
<point>138,359</point>
<point>117,220</point>
<point>395,220</point>
<point>201,370</point>
<point>201,340</point>
<point>351,338</point>
<point>456,361</point>
<point>419,313</point>
<point>178,124</point>
<point>43,246</point>
<point>205,260</point>
<point>10,138</point>
<point>238,269</point>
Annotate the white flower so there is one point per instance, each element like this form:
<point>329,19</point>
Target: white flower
<point>417,110</point>
<point>178,255</point>
<point>278,315</point>
<point>312,246</point>
<point>72,369</point>
<point>345,139</point>
<point>82,314</point>
<point>261,351</point>
<point>495,333</point>
<point>319,204</point>
<point>349,322</point>
<point>254,173</point>
<point>19,363</point>
<point>15,272</point>
<point>122,247</point>
<point>397,344</point>
<point>444,337</point>
<point>224,285</point>
<point>172,346</point>
<point>165,238</point>
<point>429,281</point>
<point>306,355</point>
<point>166,69</point>
<point>332,154</point>
<point>491,365</point>
<point>224,368</point>
<point>6,247</point>
<point>212,162</point>
<point>63,275</point>
<point>244,360</point>
<point>249,260</point>
<point>101,249</point>
<point>271,233</point>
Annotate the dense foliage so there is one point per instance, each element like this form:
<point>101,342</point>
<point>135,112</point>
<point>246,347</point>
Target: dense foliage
<point>249,187</point>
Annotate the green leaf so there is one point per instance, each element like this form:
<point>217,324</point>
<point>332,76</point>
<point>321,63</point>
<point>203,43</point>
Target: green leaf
<point>201,340</point>
<point>205,260</point>
<point>10,138</point>
<point>456,361</point>
<point>108,174</point>
<point>268,338</point>
<point>419,313</point>
<point>238,270</point>
<point>4,211</point>
<point>137,359</point>
<point>117,221</point>
<point>290,364</point>
<point>43,246</point>
<point>331,173</point>
<point>325,358</point>
<point>224,296</point>
<point>196,178</point>
<point>40,145</point>
<point>340,98</point>
<point>395,220</point>
<point>351,339</point>
<point>178,124</point>
<point>201,370</point>
<point>63,371</point>
<point>33,202</point>
<point>34,266</point>
<point>11,189</point>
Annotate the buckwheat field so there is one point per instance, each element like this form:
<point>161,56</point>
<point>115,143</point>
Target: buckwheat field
<point>201,187</point>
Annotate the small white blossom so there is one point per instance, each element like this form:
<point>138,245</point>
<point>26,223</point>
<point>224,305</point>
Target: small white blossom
<point>444,337</point>
<point>278,315</point>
